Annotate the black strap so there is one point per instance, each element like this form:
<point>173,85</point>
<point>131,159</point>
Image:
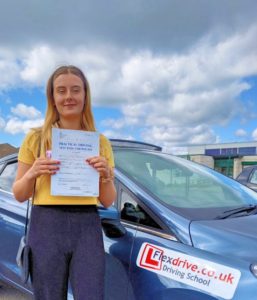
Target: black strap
<point>27,217</point>
<point>33,195</point>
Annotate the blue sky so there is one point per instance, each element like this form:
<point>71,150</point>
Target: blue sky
<point>169,72</point>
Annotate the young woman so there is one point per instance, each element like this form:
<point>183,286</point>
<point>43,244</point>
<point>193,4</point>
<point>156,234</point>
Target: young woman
<point>65,232</point>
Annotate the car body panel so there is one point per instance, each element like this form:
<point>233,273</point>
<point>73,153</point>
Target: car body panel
<point>12,226</point>
<point>218,236</point>
<point>148,284</point>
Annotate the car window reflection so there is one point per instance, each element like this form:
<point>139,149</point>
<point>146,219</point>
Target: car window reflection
<point>7,177</point>
<point>254,177</point>
<point>180,183</point>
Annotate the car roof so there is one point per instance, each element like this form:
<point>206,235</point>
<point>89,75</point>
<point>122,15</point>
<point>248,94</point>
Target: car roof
<point>8,157</point>
<point>120,143</point>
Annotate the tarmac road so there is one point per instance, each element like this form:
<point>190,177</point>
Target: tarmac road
<point>9,293</point>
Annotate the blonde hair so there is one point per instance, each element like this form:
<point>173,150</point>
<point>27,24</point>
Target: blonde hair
<point>52,116</point>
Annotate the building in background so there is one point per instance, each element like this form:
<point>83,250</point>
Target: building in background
<point>6,149</point>
<point>227,158</point>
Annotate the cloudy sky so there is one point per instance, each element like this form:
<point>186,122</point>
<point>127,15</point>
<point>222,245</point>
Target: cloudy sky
<point>170,72</point>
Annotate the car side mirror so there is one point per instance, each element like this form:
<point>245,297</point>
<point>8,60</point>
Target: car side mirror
<point>110,218</point>
<point>113,228</point>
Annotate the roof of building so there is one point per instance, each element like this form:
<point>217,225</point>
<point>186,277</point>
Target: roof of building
<point>225,145</point>
<point>6,149</point>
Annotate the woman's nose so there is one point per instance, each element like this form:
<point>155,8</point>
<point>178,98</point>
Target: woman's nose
<point>68,95</point>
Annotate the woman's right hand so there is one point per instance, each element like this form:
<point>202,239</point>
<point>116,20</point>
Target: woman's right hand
<point>43,166</point>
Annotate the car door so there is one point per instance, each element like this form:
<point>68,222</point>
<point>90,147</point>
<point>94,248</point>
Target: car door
<point>12,220</point>
<point>151,235</point>
<point>118,248</point>
<point>12,224</point>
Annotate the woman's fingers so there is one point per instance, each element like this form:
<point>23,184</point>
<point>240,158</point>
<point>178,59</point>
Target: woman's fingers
<point>45,166</point>
<point>100,164</point>
<point>97,162</point>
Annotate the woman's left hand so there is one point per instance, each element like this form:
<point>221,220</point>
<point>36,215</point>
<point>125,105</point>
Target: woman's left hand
<point>101,165</point>
<point>107,191</point>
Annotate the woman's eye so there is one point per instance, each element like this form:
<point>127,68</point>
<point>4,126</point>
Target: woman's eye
<point>61,91</point>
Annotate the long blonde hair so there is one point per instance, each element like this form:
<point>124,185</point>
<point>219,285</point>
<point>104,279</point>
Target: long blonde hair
<point>52,116</point>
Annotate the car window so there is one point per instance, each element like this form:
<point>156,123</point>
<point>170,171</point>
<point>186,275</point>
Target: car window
<point>181,183</point>
<point>7,177</point>
<point>131,211</point>
<point>187,190</point>
<point>253,178</point>
<point>1,167</point>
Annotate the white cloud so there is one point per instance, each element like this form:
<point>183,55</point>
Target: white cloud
<point>120,123</point>
<point>205,67</point>
<point>8,101</point>
<point>169,148</point>
<point>174,94</point>
<point>115,124</point>
<point>15,125</point>
<point>254,134</point>
<point>37,64</point>
<point>180,135</point>
<point>2,123</point>
<point>135,24</point>
<point>173,97</point>
<point>22,110</point>
<point>137,77</point>
<point>112,134</point>
<point>241,133</point>
<point>22,119</point>
<point>9,70</point>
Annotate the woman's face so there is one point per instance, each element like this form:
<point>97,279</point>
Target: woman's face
<point>69,95</point>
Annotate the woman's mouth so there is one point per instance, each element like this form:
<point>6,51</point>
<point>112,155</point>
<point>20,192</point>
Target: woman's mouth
<point>70,105</point>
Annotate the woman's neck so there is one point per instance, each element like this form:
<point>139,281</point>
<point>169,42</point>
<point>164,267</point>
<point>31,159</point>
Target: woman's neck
<point>70,124</point>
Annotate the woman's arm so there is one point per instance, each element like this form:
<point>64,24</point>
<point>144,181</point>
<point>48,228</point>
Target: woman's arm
<point>23,185</point>
<point>107,193</point>
<point>26,175</point>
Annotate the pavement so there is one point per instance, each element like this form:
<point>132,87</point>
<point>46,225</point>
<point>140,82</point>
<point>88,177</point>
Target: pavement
<point>9,293</point>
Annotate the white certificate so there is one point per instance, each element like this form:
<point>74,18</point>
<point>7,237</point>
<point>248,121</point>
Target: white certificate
<point>75,177</point>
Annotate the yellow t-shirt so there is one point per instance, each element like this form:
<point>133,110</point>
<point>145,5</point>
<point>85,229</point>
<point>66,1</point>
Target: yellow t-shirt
<point>28,153</point>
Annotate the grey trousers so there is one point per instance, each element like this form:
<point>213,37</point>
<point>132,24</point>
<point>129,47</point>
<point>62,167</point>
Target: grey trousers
<point>67,244</point>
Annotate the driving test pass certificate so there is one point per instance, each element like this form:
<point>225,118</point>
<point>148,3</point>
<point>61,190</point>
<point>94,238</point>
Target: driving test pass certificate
<point>75,176</point>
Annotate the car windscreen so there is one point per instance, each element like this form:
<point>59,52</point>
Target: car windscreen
<point>190,189</point>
